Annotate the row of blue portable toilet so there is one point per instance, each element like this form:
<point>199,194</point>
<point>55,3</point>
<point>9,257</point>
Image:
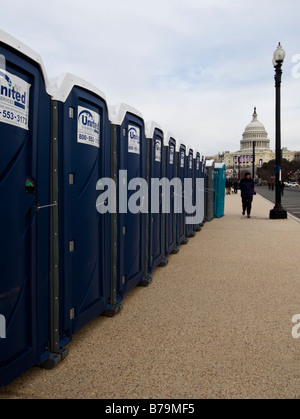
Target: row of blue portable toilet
<point>63,261</point>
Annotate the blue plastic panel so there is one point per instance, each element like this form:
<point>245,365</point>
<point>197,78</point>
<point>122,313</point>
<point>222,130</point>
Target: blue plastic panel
<point>203,182</point>
<point>171,218</point>
<point>156,224</point>
<point>181,173</point>
<point>25,232</point>
<point>190,174</point>
<point>131,227</point>
<point>199,173</point>
<point>84,233</point>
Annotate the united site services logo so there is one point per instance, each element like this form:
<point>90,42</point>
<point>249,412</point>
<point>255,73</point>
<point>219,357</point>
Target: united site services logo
<point>172,154</point>
<point>12,93</point>
<point>134,136</point>
<point>5,76</point>
<point>86,119</point>
<point>88,127</point>
<point>158,151</point>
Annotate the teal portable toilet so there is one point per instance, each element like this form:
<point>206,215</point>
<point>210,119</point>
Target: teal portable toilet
<point>219,186</point>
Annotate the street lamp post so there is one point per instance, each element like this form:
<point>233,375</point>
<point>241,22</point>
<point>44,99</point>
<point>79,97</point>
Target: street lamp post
<point>278,212</point>
<point>253,162</point>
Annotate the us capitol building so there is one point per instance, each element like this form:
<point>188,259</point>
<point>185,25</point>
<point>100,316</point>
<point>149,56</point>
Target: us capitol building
<point>255,132</point>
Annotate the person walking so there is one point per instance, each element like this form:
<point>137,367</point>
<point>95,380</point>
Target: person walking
<point>236,187</point>
<point>247,192</point>
<point>228,185</point>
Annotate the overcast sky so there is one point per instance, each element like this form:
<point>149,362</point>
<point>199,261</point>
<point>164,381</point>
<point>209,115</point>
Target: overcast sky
<point>196,67</point>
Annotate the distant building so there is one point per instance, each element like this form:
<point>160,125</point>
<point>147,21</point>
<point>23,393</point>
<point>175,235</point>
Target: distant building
<point>255,132</point>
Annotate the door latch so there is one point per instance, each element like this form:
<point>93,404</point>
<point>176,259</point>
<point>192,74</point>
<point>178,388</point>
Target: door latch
<point>30,186</point>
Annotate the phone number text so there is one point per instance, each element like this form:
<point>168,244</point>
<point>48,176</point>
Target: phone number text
<point>12,116</point>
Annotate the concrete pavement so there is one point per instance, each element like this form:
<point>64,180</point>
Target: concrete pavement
<point>215,323</point>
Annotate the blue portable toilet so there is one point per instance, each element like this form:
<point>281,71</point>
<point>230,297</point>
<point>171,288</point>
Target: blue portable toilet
<point>155,219</point>
<point>130,172</point>
<point>25,146</point>
<point>189,195</point>
<point>170,162</point>
<point>181,151</point>
<point>199,173</point>
<point>82,128</point>
<point>219,186</point>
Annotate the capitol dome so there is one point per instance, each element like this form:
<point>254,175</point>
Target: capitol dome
<point>255,132</point>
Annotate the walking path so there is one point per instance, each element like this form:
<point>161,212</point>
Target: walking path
<point>215,323</point>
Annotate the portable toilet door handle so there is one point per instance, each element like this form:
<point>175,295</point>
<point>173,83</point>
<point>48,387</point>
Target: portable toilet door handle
<point>38,207</point>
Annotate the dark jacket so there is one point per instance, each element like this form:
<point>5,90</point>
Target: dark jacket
<point>247,188</point>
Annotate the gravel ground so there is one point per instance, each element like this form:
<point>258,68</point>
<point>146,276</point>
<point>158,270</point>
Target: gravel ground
<point>215,323</point>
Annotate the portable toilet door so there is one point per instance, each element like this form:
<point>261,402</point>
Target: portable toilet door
<point>82,128</point>
<point>170,162</point>
<point>202,186</point>
<point>209,190</point>
<point>199,176</point>
<point>155,219</point>
<point>25,115</point>
<point>181,216</point>
<point>129,145</point>
<point>189,192</point>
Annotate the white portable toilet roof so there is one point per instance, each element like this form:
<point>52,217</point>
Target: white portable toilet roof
<point>151,126</point>
<point>117,113</point>
<point>61,87</point>
<point>219,165</point>
<point>188,148</point>
<point>209,163</point>
<point>179,144</point>
<point>167,137</point>
<point>26,51</point>
<point>196,151</point>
